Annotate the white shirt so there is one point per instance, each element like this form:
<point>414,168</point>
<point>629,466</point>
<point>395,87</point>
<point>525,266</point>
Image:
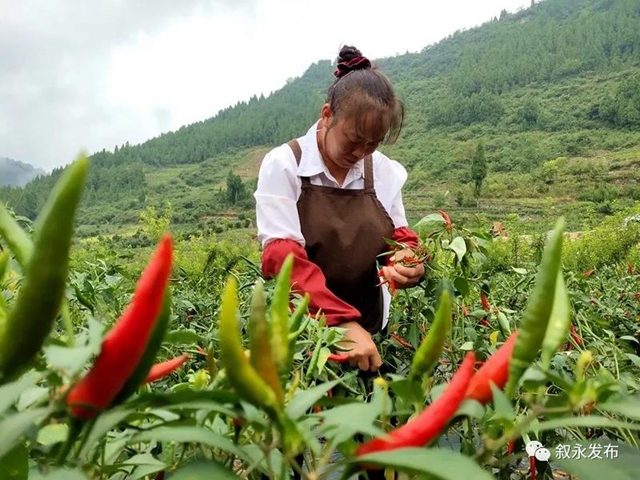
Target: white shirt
<point>279,187</point>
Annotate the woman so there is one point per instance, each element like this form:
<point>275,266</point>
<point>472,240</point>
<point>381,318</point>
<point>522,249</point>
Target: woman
<point>332,199</point>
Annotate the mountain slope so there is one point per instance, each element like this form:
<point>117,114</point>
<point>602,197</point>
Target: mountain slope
<point>17,174</point>
<point>560,79</point>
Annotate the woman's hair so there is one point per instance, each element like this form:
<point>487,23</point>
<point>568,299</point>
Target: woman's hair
<point>359,89</point>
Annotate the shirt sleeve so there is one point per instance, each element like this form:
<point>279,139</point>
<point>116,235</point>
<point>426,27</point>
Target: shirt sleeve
<point>279,232</point>
<point>306,277</point>
<point>392,177</point>
<point>276,197</point>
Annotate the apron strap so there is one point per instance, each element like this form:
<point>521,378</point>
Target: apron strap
<point>368,174</point>
<point>297,152</point>
<point>368,166</point>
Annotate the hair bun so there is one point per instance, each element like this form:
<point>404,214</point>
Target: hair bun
<point>350,59</point>
<point>347,53</point>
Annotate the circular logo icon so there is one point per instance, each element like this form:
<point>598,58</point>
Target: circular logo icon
<point>543,455</point>
<point>532,446</point>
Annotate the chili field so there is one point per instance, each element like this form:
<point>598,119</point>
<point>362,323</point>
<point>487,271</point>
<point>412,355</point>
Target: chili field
<point>179,361</point>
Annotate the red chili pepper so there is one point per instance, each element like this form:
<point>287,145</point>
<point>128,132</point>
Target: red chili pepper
<point>588,273</point>
<point>485,302</point>
<point>401,341</point>
<point>201,350</point>
<point>495,369</point>
<point>431,421</point>
<point>594,301</point>
<point>338,357</point>
<point>465,311</point>
<point>447,220</point>
<point>630,268</point>
<point>532,467</point>
<point>163,369</point>
<point>510,446</point>
<point>446,361</point>
<point>125,344</point>
<point>575,335</point>
<point>484,322</point>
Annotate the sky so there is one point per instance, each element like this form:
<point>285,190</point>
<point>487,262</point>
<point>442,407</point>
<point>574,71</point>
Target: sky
<point>86,75</point>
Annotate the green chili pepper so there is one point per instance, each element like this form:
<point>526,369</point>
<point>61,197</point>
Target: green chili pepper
<point>280,315</point>
<point>431,347</point>
<point>84,301</point>
<point>241,374</point>
<point>559,323</point>
<point>260,343</point>
<point>314,360</point>
<point>45,275</point>
<point>17,239</point>
<point>299,323</point>
<point>503,322</point>
<point>149,357</point>
<point>538,310</point>
<point>4,262</point>
<point>295,322</point>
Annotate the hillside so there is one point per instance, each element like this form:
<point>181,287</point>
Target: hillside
<point>17,174</point>
<point>552,93</point>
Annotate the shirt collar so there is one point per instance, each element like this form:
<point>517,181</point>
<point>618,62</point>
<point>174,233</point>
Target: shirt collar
<point>311,162</point>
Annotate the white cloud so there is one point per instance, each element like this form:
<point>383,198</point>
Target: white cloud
<point>95,74</point>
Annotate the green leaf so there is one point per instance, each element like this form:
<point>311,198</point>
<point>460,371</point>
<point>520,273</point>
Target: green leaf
<point>17,239</point>
<point>624,466</point>
<point>471,409</point>
<point>71,360</point>
<point>466,346</point>
<point>629,338</point>
<point>520,271</point>
<point>591,421</point>
<point>30,396</point>
<point>202,469</point>
<point>104,423</point>
<point>344,422</point>
<point>306,399</point>
<point>430,223</point>
<point>10,392</point>
<point>629,407</point>
<point>462,285</point>
<point>634,359</point>
<point>459,247</point>
<point>181,337</point>
<point>502,405</point>
<point>15,465</point>
<point>559,322</point>
<point>52,434</point>
<point>439,463</point>
<point>59,474</point>
<point>146,465</point>
<point>188,435</point>
<point>14,427</point>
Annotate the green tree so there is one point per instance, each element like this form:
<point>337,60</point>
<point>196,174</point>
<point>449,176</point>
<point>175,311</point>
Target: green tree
<point>154,225</point>
<point>235,189</point>
<point>478,169</point>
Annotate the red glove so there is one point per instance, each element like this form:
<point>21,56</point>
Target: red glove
<point>406,236</point>
<point>307,277</point>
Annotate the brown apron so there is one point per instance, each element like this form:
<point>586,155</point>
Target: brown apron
<point>344,231</point>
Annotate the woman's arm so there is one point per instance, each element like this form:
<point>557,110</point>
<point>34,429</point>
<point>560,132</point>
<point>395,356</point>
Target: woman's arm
<point>280,234</point>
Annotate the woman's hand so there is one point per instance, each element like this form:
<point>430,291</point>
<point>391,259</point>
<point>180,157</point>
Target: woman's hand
<point>364,352</point>
<point>403,276</point>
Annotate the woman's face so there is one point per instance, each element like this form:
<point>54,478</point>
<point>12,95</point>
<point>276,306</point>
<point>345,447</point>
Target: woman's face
<point>344,145</point>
